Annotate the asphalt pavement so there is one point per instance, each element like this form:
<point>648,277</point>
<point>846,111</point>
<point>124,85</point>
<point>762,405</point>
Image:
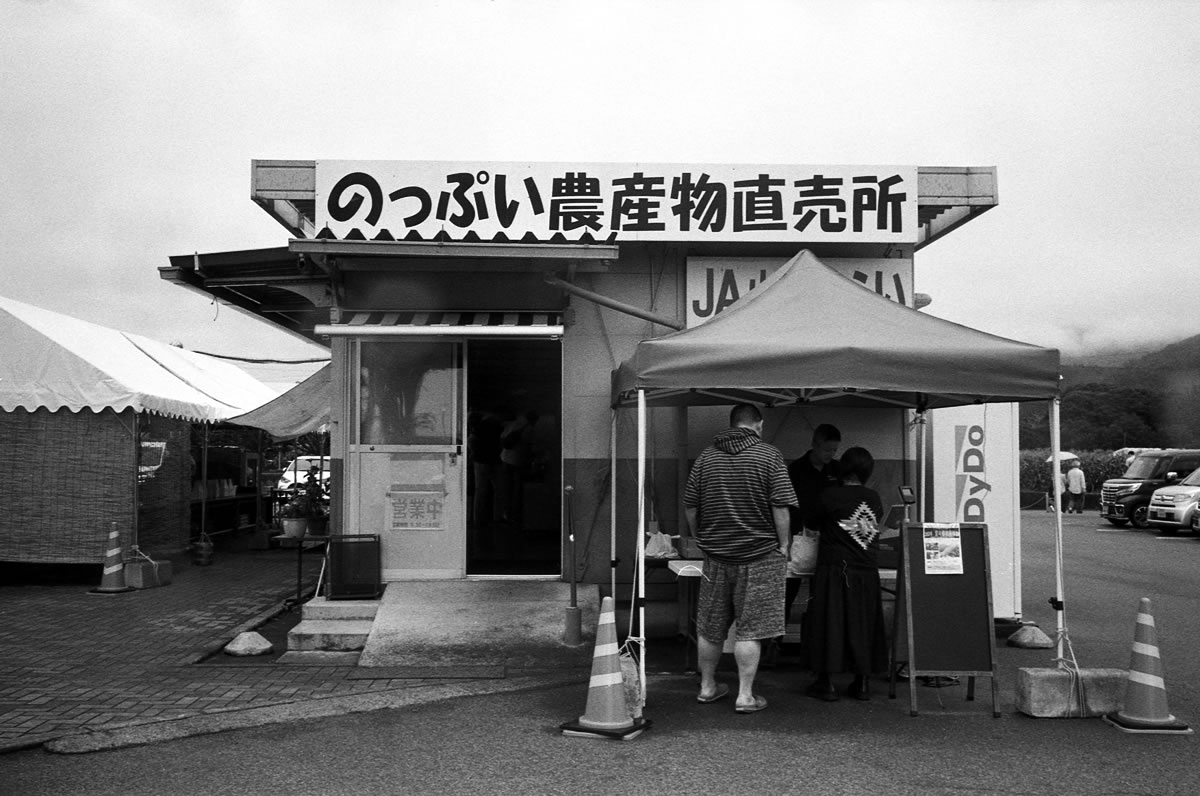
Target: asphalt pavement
<point>83,672</point>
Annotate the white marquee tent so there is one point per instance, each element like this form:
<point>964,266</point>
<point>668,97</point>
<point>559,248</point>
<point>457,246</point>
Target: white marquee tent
<point>59,362</point>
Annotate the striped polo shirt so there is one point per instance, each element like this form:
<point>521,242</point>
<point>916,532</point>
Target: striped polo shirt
<point>734,484</point>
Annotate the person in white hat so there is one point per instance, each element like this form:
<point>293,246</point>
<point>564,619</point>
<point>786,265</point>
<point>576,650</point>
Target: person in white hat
<point>1076,486</point>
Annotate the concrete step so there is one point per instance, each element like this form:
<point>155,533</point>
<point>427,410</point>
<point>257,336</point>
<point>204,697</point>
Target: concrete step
<point>514,624</point>
<point>321,608</point>
<point>335,635</point>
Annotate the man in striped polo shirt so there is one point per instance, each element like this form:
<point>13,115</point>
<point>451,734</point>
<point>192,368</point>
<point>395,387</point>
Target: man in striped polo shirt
<point>736,502</point>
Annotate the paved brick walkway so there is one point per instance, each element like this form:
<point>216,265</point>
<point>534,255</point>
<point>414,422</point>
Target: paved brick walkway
<point>74,662</point>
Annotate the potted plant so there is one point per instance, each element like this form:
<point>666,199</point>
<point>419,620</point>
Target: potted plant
<point>293,516</point>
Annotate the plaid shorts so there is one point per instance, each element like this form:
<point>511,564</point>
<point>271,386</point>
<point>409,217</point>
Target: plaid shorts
<point>751,592</point>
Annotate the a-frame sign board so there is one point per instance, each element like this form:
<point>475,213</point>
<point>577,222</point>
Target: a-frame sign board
<point>943,624</point>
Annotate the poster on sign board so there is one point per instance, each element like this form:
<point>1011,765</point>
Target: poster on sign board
<point>943,549</point>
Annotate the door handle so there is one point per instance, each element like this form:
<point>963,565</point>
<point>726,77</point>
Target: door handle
<point>454,456</point>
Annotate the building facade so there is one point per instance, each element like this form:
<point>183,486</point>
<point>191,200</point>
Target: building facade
<point>475,313</point>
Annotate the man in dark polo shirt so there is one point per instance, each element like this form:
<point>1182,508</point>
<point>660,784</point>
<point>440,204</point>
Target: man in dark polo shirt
<point>737,503</point>
<point>810,474</point>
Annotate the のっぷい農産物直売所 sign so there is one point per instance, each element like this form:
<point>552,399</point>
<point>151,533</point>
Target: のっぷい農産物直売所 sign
<point>615,202</point>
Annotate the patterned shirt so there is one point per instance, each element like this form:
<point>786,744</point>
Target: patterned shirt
<point>734,485</point>
<point>849,526</point>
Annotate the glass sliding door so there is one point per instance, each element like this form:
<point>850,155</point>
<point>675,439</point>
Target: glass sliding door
<point>405,455</point>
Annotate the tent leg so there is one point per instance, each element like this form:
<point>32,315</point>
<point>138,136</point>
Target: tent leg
<point>1056,456</point>
<point>640,600</point>
<point>137,462</point>
<point>612,506</point>
<point>922,473</point>
<point>204,486</point>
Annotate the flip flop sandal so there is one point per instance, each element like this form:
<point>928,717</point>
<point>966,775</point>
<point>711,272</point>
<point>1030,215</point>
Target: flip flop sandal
<point>759,704</point>
<point>721,692</point>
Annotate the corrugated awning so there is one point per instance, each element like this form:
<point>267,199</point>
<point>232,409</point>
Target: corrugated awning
<point>457,324</point>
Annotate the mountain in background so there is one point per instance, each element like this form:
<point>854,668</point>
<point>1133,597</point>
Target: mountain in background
<point>1134,367</point>
<point>1113,399</point>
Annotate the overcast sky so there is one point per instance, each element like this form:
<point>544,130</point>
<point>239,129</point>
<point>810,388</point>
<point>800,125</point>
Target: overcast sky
<point>129,127</point>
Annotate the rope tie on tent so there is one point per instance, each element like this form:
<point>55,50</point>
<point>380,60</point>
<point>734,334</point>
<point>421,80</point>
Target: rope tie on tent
<point>137,551</point>
<point>632,651</point>
<point>1070,665</point>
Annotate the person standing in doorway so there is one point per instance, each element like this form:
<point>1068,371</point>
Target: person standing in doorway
<point>1076,486</point>
<point>736,503</point>
<point>515,441</point>
<point>483,449</point>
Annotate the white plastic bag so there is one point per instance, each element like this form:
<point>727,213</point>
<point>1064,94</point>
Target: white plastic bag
<point>658,545</point>
<point>802,558</point>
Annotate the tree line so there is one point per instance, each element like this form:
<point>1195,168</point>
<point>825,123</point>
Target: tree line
<point>1102,416</point>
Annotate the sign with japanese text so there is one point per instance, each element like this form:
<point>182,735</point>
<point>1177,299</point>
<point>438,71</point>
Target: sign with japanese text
<point>943,549</point>
<point>614,202</point>
<point>415,509</point>
<point>715,283</point>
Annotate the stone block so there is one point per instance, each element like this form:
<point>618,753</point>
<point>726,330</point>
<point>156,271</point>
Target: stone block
<point>1030,637</point>
<point>248,643</point>
<point>147,574</point>
<point>1055,693</point>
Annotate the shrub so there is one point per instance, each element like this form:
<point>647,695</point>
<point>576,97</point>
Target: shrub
<point>1098,467</point>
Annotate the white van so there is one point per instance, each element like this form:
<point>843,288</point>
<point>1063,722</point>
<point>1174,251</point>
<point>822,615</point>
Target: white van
<point>296,472</point>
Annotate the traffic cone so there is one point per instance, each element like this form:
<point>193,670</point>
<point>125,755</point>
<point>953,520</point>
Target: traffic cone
<point>1145,691</point>
<point>607,715</point>
<point>113,579</point>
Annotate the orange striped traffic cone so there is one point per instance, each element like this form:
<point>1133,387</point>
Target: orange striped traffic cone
<point>1145,691</point>
<point>113,579</point>
<point>606,715</point>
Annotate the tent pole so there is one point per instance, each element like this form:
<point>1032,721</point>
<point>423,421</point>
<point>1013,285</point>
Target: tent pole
<point>640,600</point>
<point>612,506</point>
<point>681,470</point>
<point>137,462</point>
<point>204,485</point>
<point>922,453</point>
<point>260,510</point>
<point>1056,456</point>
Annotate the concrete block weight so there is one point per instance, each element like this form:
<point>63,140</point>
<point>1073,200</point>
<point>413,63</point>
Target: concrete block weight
<point>1055,693</point>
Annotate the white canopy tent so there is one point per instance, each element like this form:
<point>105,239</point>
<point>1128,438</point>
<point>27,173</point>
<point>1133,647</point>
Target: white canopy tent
<point>810,335</point>
<point>67,363</point>
<point>55,362</point>
<point>302,409</point>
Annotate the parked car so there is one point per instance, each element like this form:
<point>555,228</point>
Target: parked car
<point>297,471</point>
<point>1127,499</point>
<point>1173,507</point>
